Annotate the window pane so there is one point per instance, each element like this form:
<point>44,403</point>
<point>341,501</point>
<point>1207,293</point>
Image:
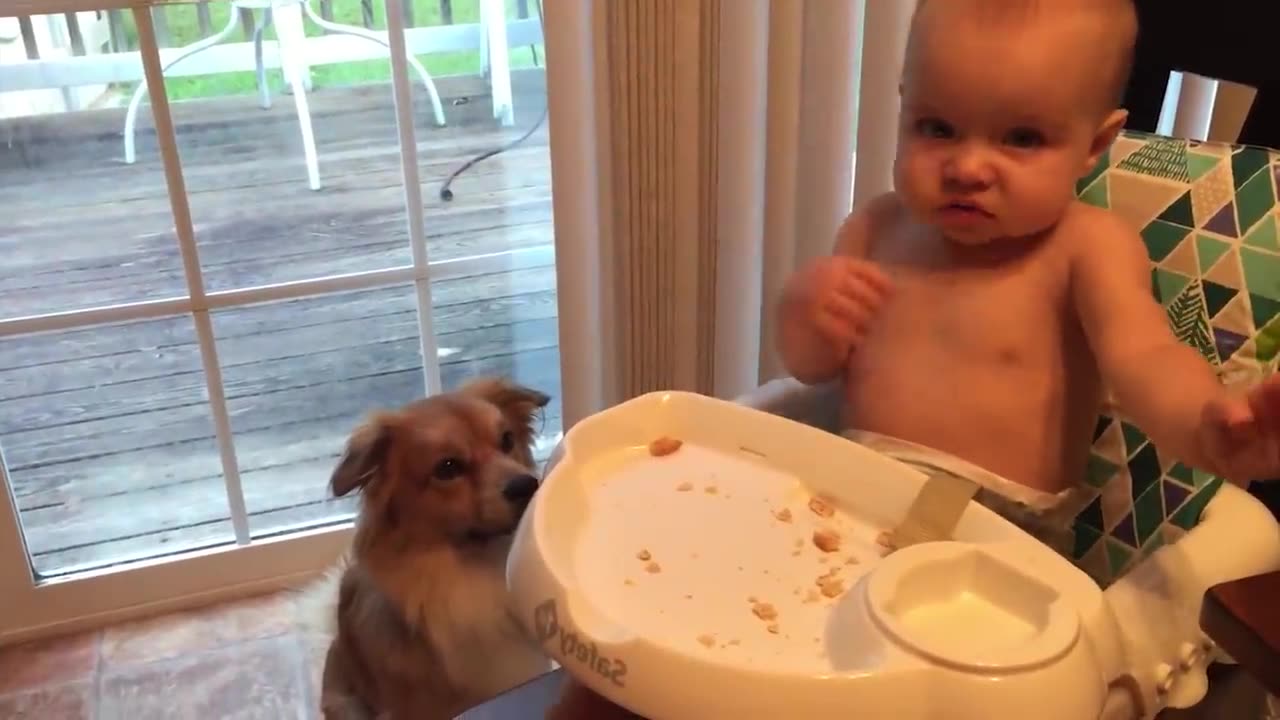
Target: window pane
<point>299,376</point>
<point>81,228</point>
<point>109,444</point>
<point>502,324</point>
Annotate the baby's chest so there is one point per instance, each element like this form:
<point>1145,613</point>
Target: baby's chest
<point>1009,319</point>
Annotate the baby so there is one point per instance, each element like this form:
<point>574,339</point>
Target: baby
<point>980,309</point>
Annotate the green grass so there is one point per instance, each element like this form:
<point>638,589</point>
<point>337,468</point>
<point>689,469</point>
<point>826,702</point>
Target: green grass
<point>184,29</point>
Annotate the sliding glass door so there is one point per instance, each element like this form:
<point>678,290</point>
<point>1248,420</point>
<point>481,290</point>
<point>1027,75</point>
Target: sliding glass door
<point>231,230</point>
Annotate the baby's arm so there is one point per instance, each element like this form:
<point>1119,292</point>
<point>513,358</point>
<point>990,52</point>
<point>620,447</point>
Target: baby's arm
<point>806,354</point>
<point>1162,384</point>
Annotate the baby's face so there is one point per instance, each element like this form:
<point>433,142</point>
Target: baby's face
<point>995,129</point>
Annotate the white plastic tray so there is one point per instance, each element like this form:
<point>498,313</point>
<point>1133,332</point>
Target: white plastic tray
<point>641,575</point>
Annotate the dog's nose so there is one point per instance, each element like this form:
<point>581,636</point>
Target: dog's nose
<point>520,489</point>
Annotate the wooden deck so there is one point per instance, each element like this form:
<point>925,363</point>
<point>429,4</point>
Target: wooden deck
<point>106,430</point>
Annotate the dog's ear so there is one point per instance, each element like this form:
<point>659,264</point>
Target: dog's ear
<point>519,403</point>
<point>363,456</point>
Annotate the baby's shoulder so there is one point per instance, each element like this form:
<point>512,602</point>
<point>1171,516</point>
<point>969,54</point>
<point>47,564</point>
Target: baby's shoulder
<point>870,220</point>
<point>1094,236</point>
<point>1087,226</point>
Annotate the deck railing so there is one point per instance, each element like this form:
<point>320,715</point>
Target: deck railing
<point>77,50</point>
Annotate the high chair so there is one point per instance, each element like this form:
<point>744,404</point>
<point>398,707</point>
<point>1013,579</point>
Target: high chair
<point>1158,533</point>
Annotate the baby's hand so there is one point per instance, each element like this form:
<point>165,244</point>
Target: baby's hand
<point>839,296</point>
<point>1241,436</point>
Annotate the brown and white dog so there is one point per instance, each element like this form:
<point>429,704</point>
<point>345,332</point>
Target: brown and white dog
<point>423,626</point>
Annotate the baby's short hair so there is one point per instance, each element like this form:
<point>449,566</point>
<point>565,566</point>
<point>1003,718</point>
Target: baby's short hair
<point>1117,21</point>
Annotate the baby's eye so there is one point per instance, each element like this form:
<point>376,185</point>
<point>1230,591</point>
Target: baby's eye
<point>1024,138</point>
<point>934,128</point>
<point>508,442</point>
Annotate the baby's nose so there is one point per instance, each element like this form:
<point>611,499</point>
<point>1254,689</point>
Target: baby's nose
<point>968,168</point>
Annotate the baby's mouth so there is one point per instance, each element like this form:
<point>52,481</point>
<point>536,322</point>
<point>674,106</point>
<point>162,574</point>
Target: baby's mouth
<point>966,209</point>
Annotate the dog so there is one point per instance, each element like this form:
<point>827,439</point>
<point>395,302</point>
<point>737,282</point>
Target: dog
<point>424,630</point>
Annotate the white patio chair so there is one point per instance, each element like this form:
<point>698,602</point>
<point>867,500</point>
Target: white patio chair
<point>287,17</point>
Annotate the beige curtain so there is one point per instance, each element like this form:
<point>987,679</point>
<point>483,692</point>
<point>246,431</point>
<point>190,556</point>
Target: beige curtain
<point>714,139</point>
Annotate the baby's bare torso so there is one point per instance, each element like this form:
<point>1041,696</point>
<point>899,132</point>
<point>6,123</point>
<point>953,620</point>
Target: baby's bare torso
<point>979,353</point>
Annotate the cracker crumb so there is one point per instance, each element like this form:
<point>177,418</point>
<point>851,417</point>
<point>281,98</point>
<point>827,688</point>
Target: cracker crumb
<point>653,568</point>
<point>734,642</point>
<point>799,543</point>
<point>822,559</point>
<point>885,540</point>
<point>664,446</point>
<point>711,490</point>
<point>688,597</point>
<point>851,560</point>
<point>764,611</point>
<point>685,486</point>
<point>832,587</point>
<point>811,596</point>
<point>795,553</point>
<point>826,540</point>
<point>707,640</point>
<point>773,628</point>
<point>628,582</point>
<point>752,599</point>
<point>783,515</point>
<point>821,507</point>
<point>644,555</point>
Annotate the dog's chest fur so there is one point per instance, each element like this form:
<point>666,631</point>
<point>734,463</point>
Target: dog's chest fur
<point>458,607</point>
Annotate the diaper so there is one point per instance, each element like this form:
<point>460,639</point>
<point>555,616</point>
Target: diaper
<point>1048,517</point>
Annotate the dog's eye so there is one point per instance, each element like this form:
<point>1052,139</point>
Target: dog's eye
<point>508,442</point>
<point>449,469</point>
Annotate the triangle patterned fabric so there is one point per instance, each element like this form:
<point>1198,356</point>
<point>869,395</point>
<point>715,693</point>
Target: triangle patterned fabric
<point>1211,223</point>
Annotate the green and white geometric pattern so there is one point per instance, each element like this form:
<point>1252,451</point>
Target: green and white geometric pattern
<point>1209,217</point>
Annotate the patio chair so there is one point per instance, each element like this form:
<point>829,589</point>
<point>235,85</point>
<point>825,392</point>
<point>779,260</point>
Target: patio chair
<point>1157,532</point>
<point>287,17</point>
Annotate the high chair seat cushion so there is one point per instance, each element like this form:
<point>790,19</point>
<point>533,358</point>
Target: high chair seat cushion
<point>1207,213</point>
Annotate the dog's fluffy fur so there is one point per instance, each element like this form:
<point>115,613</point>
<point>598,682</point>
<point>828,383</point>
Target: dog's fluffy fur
<point>423,627</point>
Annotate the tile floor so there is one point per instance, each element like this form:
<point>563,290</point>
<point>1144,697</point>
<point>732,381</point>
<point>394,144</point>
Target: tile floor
<point>243,660</point>
<point>256,659</point>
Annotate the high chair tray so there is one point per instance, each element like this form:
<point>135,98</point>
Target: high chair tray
<point>741,577</point>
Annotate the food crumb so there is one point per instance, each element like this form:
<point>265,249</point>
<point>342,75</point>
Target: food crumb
<point>664,446</point>
<point>851,560</point>
<point>644,555</point>
<point>795,553</point>
<point>811,596</point>
<point>688,597</point>
<point>820,507</point>
<point>653,568</point>
<point>885,540</point>
<point>822,559</point>
<point>799,543</point>
<point>826,539</point>
<point>764,611</point>
<point>707,640</point>
<point>734,642</point>
<point>752,599</point>
<point>783,515</point>
<point>711,490</point>
<point>832,587</point>
<point>773,628</point>
<point>628,582</point>
<point>685,486</point>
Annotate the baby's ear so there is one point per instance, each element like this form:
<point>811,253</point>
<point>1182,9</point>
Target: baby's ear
<point>1103,137</point>
<point>363,457</point>
<point>519,403</point>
